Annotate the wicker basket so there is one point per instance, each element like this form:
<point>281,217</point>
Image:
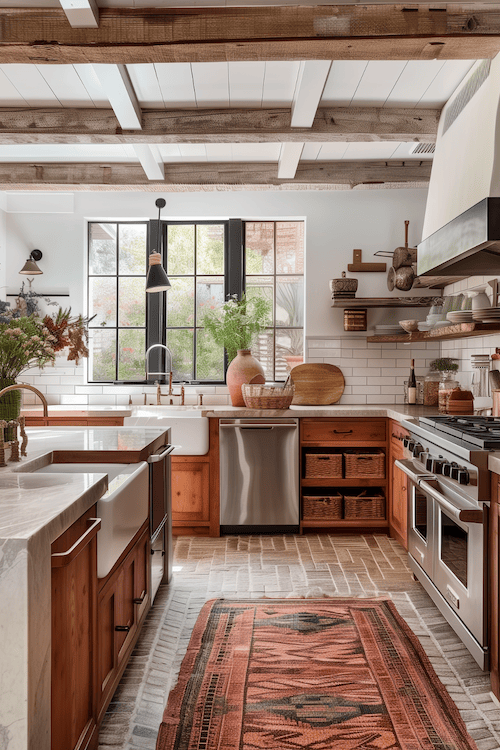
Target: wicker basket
<point>323,465</point>
<point>317,508</point>
<point>364,504</point>
<point>267,396</point>
<point>365,465</point>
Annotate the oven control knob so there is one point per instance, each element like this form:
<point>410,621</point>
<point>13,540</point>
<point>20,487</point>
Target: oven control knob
<point>437,465</point>
<point>417,450</point>
<point>448,468</point>
<point>428,463</point>
<point>463,477</point>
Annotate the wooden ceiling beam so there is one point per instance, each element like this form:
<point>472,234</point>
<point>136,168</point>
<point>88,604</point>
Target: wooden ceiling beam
<point>27,125</point>
<point>130,176</point>
<point>343,32</point>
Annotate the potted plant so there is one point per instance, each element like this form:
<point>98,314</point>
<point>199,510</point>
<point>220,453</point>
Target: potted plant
<point>234,326</point>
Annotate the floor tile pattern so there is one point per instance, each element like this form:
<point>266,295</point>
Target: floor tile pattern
<point>280,566</point>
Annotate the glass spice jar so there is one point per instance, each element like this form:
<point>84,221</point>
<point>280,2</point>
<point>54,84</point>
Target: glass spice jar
<point>431,388</point>
<point>447,384</point>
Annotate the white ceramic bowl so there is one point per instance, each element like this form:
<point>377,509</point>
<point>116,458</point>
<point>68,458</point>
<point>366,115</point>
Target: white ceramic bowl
<point>424,327</point>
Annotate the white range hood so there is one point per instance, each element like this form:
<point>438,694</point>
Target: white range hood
<point>462,216</point>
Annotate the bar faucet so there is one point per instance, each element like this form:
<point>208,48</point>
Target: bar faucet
<point>167,372</point>
<point>18,386</point>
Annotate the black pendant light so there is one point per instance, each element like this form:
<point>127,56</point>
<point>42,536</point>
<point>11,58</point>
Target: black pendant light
<point>157,279</point>
<point>30,268</point>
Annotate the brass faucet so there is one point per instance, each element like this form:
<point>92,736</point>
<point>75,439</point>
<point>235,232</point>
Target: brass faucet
<point>18,386</point>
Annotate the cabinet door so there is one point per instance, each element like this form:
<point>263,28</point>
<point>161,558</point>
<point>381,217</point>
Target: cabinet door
<point>398,506</point>
<point>74,611</point>
<point>494,586</point>
<point>190,490</point>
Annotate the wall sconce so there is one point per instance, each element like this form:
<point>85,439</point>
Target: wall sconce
<point>30,267</point>
<point>157,279</point>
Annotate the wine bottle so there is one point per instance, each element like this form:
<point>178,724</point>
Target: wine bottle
<point>412,385</point>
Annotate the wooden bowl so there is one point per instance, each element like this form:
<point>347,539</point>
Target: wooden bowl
<point>409,325</point>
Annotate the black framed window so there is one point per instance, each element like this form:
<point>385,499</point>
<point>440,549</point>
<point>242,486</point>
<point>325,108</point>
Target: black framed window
<point>274,269</point>
<point>206,261</point>
<point>117,263</point>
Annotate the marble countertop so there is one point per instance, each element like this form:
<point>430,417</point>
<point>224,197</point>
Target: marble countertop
<point>393,411</point>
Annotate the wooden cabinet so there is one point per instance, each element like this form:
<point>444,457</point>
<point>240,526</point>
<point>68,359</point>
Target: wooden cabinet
<point>74,630</point>
<point>195,490</point>
<point>398,490</point>
<point>494,585</point>
<point>327,501</point>
<point>122,605</point>
<point>73,421</point>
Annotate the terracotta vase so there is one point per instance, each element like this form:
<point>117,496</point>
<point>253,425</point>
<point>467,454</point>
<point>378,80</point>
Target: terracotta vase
<point>243,369</point>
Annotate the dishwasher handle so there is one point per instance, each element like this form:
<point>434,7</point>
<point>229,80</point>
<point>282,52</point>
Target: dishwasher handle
<point>164,451</point>
<point>258,426</point>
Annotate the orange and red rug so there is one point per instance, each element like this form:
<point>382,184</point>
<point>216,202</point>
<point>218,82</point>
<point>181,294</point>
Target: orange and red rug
<point>308,674</point>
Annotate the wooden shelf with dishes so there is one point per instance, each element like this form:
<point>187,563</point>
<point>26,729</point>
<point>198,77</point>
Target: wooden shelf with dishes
<point>444,333</point>
<point>356,302</point>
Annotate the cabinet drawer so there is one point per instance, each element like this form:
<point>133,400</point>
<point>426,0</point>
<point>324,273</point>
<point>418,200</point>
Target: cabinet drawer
<point>397,432</point>
<point>343,431</point>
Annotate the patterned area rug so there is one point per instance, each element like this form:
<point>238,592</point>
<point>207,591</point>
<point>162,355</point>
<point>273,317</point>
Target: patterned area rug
<point>297,674</point>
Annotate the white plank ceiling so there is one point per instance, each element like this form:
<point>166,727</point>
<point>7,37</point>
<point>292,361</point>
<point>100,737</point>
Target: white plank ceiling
<point>423,84</point>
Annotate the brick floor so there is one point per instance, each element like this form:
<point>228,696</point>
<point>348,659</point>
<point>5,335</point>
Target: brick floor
<point>278,566</point>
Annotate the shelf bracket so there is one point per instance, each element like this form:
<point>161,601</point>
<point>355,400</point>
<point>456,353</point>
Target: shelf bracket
<point>357,265</point>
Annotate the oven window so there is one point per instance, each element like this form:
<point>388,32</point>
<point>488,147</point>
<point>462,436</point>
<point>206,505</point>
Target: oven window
<point>420,511</point>
<point>454,548</point>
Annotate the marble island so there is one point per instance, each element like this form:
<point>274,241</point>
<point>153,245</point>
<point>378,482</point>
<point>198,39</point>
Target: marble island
<point>34,510</point>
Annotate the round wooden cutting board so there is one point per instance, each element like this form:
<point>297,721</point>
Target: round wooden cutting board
<point>317,384</point>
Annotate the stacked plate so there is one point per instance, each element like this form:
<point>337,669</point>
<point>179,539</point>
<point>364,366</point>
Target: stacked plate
<point>487,315</point>
<point>388,330</point>
<point>460,316</point>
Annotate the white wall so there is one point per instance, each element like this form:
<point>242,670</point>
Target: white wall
<point>336,223</point>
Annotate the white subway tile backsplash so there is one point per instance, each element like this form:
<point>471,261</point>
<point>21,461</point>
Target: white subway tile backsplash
<point>58,389</point>
<point>358,399</point>
<point>80,400</point>
<point>357,380</point>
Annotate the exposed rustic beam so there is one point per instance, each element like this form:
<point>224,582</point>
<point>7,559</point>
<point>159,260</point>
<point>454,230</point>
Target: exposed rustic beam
<point>26,125</point>
<point>232,173</point>
<point>343,32</point>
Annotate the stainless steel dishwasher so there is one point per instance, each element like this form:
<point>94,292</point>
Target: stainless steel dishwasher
<point>259,475</point>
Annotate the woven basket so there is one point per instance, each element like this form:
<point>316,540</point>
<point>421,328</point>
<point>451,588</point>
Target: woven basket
<point>316,508</point>
<point>365,465</point>
<point>363,505</point>
<point>323,465</point>
<point>267,396</point>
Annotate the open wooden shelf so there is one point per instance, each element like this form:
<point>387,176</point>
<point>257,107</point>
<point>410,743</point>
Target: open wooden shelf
<point>332,482</point>
<point>457,331</point>
<point>351,444</point>
<point>385,302</point>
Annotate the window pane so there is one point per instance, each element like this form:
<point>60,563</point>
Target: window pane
<point>102,250</point>
<point>209,295</point>
<point>132,249</point>
<point>210,248</point>
<point>259,246</point>
<point>180,344</point>
<point>290,301</point>
<point>209,358</point>
<point>132,301</point>
<point>180,302</point>
<point>102,301</point>
<point>180,249</point>
<point>102,354</point>
<point>260,286</point>
<point>289,350</point>
<point>290,247</point>
<point>131,350</point>
<point>263,349</point>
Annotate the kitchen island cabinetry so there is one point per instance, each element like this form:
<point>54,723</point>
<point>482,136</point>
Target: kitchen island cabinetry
<point>195,490</point>
<point>327,493</point>
<point>123,602</point>
<point>74,635</point>
<point>398,489</point>
<point>72,419</point>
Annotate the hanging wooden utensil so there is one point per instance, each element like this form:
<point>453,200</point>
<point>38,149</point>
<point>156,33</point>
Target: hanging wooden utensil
<point>404,278</point>
<point>404,256</point>
<point>391,277</point>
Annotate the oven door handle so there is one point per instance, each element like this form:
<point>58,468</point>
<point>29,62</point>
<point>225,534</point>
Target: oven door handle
<point>472,515</point>
<point>164,451</point>
<point>413,476</point>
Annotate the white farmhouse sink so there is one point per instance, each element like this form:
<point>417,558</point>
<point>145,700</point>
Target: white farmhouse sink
<point>189,430</point>
<point>122,509</point>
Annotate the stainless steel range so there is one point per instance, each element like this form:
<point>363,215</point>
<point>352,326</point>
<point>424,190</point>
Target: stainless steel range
<point>447,464</point>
